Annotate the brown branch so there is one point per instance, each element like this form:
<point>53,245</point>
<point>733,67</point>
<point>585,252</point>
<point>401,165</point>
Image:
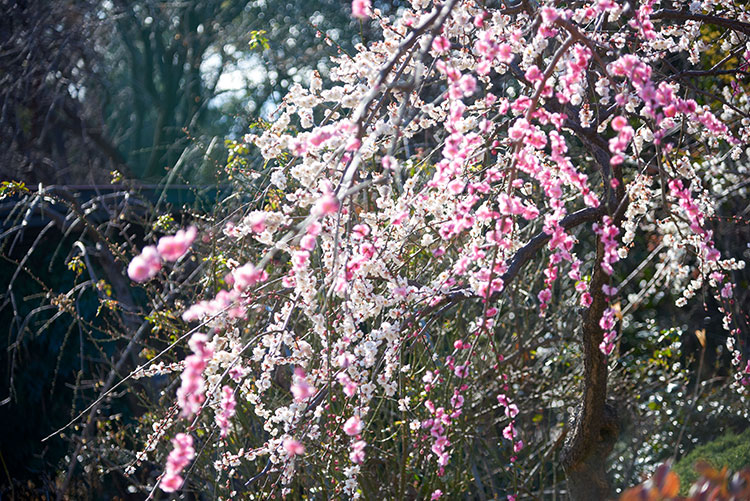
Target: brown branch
<point>519,260</point>
<point>530,250</point>
<point>708,73</point>
<point>682,15</point>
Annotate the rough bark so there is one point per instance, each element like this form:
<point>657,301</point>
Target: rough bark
<point>587,478</point>
<point>595,426</point>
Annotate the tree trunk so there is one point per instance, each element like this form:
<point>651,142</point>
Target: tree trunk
<point>595,426</point>
<point>587,476</point>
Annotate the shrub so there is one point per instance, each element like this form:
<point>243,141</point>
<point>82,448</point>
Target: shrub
<point>730,450</point>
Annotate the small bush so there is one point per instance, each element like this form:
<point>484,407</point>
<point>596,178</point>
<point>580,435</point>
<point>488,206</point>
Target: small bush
<point>730,450</point>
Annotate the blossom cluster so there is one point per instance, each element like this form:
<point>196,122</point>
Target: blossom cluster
<point>147,264</point>
<point>190,394</point>
<point>178,459</point>
<point>386,278</point>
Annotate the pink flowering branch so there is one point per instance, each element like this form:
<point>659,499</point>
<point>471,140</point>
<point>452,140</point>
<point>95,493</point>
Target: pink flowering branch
<point>346,297</point>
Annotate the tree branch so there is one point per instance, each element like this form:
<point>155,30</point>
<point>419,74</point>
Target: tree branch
<point>682,15</point>
<point>530,250</point>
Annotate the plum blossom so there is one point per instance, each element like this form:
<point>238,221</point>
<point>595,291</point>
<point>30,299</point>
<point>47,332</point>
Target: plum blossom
<point>256,221</point>
<point>388,220</point>
<point>307,242</point>
<point>353,426</point>
<point>227,409</point>
<point>361,9</point>
<point>608,232</point>
<point>190,393</point>
<point>293,447</point>
<point>357,454</point>
<point>441,44</point>
<point>327,204</point>
<point>301,389</point>
<point>246,276</point>
<point>181,455</point>
<point>145,265</point>
<point>172,248</point>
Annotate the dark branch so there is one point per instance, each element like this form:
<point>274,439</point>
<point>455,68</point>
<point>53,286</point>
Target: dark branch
<point>681,15</point>
<point>530,250</point>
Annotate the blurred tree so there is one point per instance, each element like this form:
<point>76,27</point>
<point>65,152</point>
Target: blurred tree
<point>50,129</point>
<point>91,87</point>
<point>193,70</point>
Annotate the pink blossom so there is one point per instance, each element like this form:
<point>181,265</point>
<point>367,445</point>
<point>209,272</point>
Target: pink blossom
<point>181,455</point>
<point>327,204</point>
<point>607,323</point>
<point>399,218</point>
<point>345,360</point>
<point>353,426</point>
<point>608,232</point>
<point>257,222</point>
<point>357,454</point>
<point>353,144</point>
<point>145,265</point>
<point>230,230</point>
<point>483,68</point>
<point>246,276</point>
<point>388,162</point>
<point>293,447</point>
<point>533,74</point>
<point>319,136</point>
<point>307,242</point>
<point>237,373</point>
<point>300,260</point>
<point>479,19</point>
<point>226,412</point>
<point>314,229</point>
<point>511,410</point>
<point>350,388</point>
<point>504,53</point>
<point>301,389</point>
<point>457,401</point>
<point>441,44</point>
<point>190,395</point>
<point>549,15</point>
<point>171,482</point>
<point>437,494</point>
<point>360,231</point>
<point>619,123</point>
<point>361,9</point>
<point>174,247</point>
<point>468,84</point>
